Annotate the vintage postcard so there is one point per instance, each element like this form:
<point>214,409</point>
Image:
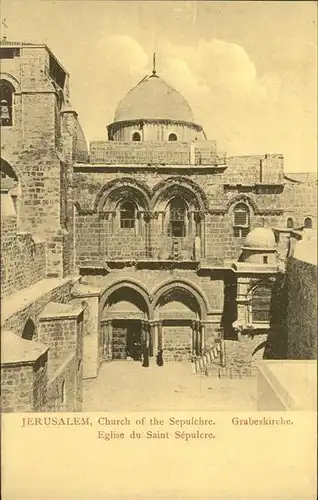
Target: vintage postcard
<point>158,249</point>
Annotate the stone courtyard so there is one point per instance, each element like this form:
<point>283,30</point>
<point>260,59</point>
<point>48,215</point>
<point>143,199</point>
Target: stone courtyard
<point>127,386</point>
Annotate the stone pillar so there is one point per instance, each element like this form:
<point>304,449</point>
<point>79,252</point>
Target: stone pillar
<point>141,223</point>
<point>148,228</point>
<point>202,231</point>
<point>160,335</point>
<point>195,344</point>
<point>242,303</point>
<point>108,341</point>
<point>154,331</point>
<point>92,341</point>
<point>202,328</point>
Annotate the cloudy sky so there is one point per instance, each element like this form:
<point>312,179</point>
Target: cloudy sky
<point>247,69</point>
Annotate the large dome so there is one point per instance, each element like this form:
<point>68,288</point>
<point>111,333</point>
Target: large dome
<point>153,99</point>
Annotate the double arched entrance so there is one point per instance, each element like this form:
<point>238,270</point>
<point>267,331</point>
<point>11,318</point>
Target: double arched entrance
<point>170,322</point>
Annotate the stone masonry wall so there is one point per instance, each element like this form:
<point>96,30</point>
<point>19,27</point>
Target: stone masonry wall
<point>23,386</point>
<point>301,282</point>
<point>62,387</point>
<point>152,279</point>
<point>17,320</point>
<point>177,343</point>
<point>58,333</point>
<point>17,388</point>
<point>176,153</point>
<point>300,200</point>
<point>97,235</point>
<point>23,260</point>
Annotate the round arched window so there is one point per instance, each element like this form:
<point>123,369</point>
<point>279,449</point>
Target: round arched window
<point>136,137</point>
<point>172,137</point>
<point>6,103</point>
<point>290,223</point>
<point>308,223</point>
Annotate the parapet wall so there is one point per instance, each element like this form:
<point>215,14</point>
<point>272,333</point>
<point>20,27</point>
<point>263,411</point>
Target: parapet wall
<point>23,258</point>
<point>173,153</point>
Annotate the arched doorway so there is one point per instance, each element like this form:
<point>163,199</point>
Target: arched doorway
<point>178,313</point>
<point>125,324</point>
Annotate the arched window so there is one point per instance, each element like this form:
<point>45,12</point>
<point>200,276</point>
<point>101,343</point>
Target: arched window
<point>241,220</point>
<point>308,223</point>
<point>261,303</point>
<point>127,215</point>
<point>172,137</point>
<point>136,136</point>
<point>28,330</point>
<point>290,223</point>
<point>177,215</point>
<point>6,103</point>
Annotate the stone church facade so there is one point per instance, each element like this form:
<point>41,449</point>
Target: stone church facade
<point>146,244</point>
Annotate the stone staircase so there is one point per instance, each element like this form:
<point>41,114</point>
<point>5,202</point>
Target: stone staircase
<point>211,365</point>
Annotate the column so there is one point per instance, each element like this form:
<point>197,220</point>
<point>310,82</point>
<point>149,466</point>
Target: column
<point>202,328</point>
<point>202,231</point>
<point>160,336</point>
<point>189,228</point>
<point>195,350</point>
<point>154,336</point>
<point>148,228</point>
<point>110,340</point>
<point>145,343</point>
<point>141,223</point>
<point>113,222</point>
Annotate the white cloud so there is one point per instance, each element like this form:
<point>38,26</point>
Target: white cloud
<point>246,112</point>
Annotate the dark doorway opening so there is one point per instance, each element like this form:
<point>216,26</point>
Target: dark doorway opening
<point>127,339</point>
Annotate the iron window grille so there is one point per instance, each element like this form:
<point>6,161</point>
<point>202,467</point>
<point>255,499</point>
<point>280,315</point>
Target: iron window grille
<point>241,221</point>
<point>127,216</point>
<point>261,303</point>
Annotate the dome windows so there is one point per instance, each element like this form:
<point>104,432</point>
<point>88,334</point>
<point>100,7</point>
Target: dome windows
<point>136,137</point>
<point>172,137</point>
<point>290,223</point>
<point>308,223</point>
<point>6,103</point>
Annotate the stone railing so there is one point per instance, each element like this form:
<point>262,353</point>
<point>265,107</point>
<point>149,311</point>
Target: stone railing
<point>155,153</point>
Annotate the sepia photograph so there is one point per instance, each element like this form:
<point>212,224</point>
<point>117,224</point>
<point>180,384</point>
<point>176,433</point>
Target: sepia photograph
<point>158,206</point>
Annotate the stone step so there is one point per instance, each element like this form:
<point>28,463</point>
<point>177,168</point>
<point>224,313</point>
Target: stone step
<point>215,370</point>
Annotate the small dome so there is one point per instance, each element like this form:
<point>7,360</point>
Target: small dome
<point>153,99</point>
<point>260,238</point>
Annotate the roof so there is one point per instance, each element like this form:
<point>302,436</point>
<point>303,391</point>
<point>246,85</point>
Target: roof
<point>153,99</point>
<point>14,349</point>
<point>9,43</point>
<point>58,310</point>
<point>306,250</point>
<point>260,238</point>
<point>301,176</point>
